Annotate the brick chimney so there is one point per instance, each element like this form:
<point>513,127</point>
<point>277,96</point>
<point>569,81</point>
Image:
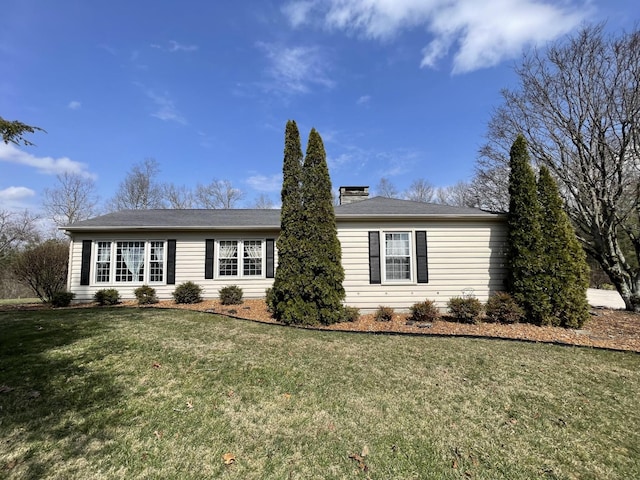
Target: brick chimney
<point>353,194</point>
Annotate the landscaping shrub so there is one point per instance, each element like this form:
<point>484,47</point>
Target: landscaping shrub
<point>424,311</point>
<point>107,296</point>
<point>350,314</point>
<point>502,308</point>
<point>145,295</point>
<point>230,295</point>
<point>465,309</point>
<point>188,292</point>
<point>383,314</point>
<point>62,299</point>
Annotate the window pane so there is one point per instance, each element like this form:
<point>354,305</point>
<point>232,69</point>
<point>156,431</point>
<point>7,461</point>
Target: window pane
<point>252,257</point>
<point>156,264</point>
<point>397,256</point>
<point>103,262</point>
<point>228,258</point>
<point>129,261</point>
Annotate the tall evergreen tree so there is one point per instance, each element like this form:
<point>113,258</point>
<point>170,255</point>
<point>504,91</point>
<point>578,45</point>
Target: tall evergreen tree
<point>284,296</point>
<point>526,280</point>
<point>322,256</point>
<point>565,260</point>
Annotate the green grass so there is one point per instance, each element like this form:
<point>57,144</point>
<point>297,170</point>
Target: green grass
<point>19,301</point>
<point>86,401</point>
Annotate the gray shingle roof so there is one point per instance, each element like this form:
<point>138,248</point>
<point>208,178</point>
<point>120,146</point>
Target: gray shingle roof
<point>392,207</point>
<point>376,207</point>
<point>181,219</point>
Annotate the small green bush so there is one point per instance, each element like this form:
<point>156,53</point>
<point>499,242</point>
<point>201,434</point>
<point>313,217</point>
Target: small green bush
<point>465,309</point>
<point>350,314</point>
<point>502,308</point>
<point>424,311</point>
<point>268,299</point>
<point>62,299</point>
<point>188,292</point>
<point>145,295</point>
<point>383,314</point>
<point>107,296</point>
<point>230,295</point>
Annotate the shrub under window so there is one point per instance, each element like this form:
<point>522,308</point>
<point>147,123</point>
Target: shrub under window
<point>146,295</point>
<point>107,296</point>
<point>188,292</point>
<point>230,295</point>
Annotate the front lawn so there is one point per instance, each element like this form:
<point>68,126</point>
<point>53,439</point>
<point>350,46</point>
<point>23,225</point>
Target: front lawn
<point>146,393</point>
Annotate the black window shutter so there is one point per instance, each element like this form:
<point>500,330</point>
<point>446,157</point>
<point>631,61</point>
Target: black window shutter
<point>208,259</point>
<point>86,262</point>
<point>270,257</point>
<point>374,257</point>
<point>171,262</point>
<point>421,257</point>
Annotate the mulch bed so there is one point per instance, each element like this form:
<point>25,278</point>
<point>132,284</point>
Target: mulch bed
<point>610,329</point>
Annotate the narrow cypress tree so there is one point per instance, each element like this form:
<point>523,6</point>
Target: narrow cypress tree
<point>322,271</point>
<point>565,260</point>
<point>526,279</point>
<point>284,297</point>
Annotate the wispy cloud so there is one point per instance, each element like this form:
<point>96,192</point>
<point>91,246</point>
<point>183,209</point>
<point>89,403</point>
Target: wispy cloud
<point>295,69</point>
<point>16,198</point>
<point>74,105</point>
<point>15,194</point>
<point>363,100</point>
<point>45,165</point>
<point>165,107</point>
<point>477,34</point>
<point>174,46</point>
<point>265,183</point>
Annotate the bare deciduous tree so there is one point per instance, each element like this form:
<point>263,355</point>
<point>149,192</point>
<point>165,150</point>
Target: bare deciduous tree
<point>386,189</point>
<point>43,268</point>
<point>460,194</point>
<point>178,197</point>
<point>578,106</point>
<point>263,201</point>
<point>74,198</point>
<point>219,194</point>
<point>16,229</point>
<point>140,189</point>
<point>420,190</point>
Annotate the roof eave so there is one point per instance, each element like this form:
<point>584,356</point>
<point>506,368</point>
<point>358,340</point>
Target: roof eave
<point>122,228</point>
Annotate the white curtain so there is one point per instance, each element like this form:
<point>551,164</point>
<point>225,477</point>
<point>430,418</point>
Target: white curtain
<point>157,252</point>
<point>133,256</point>
<point>104,252</point>
<point>252,250</point>
<point>397,245</point>
<point>228,250</point>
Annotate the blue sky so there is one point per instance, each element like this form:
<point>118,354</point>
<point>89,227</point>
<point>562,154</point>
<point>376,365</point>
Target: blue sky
<point>401,89</point>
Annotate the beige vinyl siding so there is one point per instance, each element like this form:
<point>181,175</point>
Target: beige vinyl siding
<point>464,257</point>
<point>190,264</point>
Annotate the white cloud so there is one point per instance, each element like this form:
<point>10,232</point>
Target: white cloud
<point>74,105</point>
<point>297,12</point>
<point>481,34</point>
<point>265,183</point>
<point>15,194</point>
<point>175,47</point>
<point>295,69</point>
<point>166,109</point>
<point>45,165</point>
<point>364,100</point>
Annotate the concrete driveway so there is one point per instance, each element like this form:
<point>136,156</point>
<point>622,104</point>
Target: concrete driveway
<point>604,298</point>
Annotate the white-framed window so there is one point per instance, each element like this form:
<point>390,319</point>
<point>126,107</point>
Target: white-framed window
<point>130,261</point>
<point>397,251</point>
<point>240,258</point>
<point>103,262</point>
